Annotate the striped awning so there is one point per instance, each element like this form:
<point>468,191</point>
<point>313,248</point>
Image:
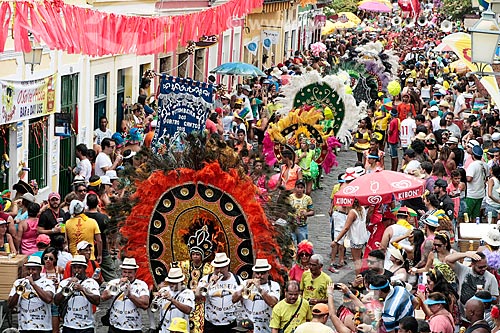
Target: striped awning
<point>277,6</point>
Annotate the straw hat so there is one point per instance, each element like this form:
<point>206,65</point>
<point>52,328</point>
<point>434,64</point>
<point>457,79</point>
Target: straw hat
<point>79,259</point>
<point>175,275</point>
<point>220,260</point>
<point>261,265</point>
<point>129,263</point>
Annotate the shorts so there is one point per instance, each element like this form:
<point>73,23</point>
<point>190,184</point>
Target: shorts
<point>473,207</point>
<point>338,219</point>
<point>357,246</point>
<point>493,210</point>
<point>393,150</point>
<point>463,208</point>
<point>300,234</point>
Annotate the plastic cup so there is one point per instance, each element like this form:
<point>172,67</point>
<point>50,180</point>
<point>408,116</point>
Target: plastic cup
<point>479,287</point>
<point>421,288</point>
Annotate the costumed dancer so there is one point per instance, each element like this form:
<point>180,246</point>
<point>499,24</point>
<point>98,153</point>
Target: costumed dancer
<point>32,295</point>
<point>259,296</point>
<point>200,248</point>
<point>362,136</point>
<point>174,300</point>
<point>217,289</point>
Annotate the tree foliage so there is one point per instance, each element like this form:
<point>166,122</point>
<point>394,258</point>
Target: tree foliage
<point>338,6</point>
<point>456,9</point>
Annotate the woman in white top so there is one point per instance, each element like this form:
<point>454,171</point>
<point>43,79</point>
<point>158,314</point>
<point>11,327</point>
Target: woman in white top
<point>493,197</point>
<point>355,230</point>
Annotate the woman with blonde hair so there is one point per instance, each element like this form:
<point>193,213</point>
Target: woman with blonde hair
<point>356,232</point>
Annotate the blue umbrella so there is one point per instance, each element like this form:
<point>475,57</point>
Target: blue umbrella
<point>237,68</point>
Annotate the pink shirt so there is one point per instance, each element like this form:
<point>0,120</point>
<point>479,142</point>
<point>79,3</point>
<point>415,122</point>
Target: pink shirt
<point>442,322</point>
<point>296,273</point>
<point>28,239</point>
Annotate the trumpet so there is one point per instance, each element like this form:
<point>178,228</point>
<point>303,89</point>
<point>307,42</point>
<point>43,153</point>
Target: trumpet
<point>21,287</point>
<point>155,303</point>
<point>204,290</point>
<point>115,288</point>
<point>250,290</point>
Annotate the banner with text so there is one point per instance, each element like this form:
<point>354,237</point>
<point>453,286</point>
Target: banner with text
<point>23,100</point>
<point>183,107</point>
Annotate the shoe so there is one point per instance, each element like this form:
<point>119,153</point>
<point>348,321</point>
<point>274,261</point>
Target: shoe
<point>332,269</point>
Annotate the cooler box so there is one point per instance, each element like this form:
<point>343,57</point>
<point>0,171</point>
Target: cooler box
<point>469,235</point>
<point>10,271</point>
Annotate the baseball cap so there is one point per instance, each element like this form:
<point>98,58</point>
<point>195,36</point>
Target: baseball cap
<point>82,245</point>
<point>43,238</point>
<point>441,183</point>
<point>320,309</point>
<point>54,195</point>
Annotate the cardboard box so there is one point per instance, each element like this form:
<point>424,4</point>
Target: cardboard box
<point>10,271</point>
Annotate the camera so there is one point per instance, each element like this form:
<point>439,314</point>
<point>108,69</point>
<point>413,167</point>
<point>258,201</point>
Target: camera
<point>336,286</point>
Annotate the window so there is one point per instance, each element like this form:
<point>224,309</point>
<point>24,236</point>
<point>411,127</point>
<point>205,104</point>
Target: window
<point>199,63</point>
<point>67,158</point>
<point>165,64</point>
<point>38,150</point>
<point>100,97</point>
<point>182,63</point>
<point>120,97</point>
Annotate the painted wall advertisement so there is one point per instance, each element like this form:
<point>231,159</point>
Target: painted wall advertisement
<point>23,100</point>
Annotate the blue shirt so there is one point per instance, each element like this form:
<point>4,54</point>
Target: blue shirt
<point>397,305</point>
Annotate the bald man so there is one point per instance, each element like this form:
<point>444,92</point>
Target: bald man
<point>474,313</point>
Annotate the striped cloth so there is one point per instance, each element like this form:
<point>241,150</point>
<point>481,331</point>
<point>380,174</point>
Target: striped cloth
<point>397,305</point>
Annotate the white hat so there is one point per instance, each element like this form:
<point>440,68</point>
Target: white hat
<point>495,136</point>
<point>396,254</point>
<point>79,259</point>
<point>276,72</point>
<point>350,174</point>
<point>472,143</point>
<point>28,196</point>
<point>261,265</point>
<point>220,260</point>
<point>111,174</point>
<point>432,220</point>
<point>105,180</point>
<point>175,275</point>
<point>82,245</point>
<point>154,123</point>
<point>129,263</point>
<point>492,237</point>
<point>434,108</point>
<point>34,261</point>
<point>76,207</point>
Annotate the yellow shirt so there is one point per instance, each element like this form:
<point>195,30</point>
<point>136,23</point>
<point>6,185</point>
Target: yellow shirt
<point>81,228</point>
<point>381,124</point>
<point>282,313</point>
<point>314,288</point>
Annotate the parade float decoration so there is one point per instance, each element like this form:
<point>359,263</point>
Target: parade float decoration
<point>191,192</point>
<point>318,109</point>
<point>363,86</point>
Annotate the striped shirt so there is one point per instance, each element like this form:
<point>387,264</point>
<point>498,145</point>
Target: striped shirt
<point>397,305</point>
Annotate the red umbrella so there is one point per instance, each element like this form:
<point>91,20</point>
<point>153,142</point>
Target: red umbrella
<point>380,187</point>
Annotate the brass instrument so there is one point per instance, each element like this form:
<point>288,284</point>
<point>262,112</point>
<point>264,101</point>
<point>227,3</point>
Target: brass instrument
<point>250,290</point>
<point>155,303</point>
<point>115,288</point>
<point>21,287</point>
<point>204,290</point>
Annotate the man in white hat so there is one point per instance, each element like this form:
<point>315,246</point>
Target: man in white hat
<point>259,296</point>
<point>32,295</point>
<point>133,295</point>
<point>220,311</point>
<point>174,299</point>
<point>78,316</point>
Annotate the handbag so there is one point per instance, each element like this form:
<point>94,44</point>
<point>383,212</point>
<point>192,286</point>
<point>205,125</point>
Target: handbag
<point>282,330</point>
<point>105,318</point>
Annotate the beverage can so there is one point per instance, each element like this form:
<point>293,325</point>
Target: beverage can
<point>6,246</point>
<point>466,218</point>
<point>478,220</point>
<point>97,273</point>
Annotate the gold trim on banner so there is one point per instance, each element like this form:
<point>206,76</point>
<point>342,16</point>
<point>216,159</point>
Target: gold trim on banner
<point>276,7</point>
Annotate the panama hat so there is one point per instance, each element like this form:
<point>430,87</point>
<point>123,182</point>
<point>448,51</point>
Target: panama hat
<point>79,259</point>
<point>129,263</point>
<point>396,254</point>
<point>34,261</point>
<point>28,196</point>
<point>261,265</point>
<point>220,260</point>
<point>175,275</point>
<point>492,237</point>
<point>432,221</point>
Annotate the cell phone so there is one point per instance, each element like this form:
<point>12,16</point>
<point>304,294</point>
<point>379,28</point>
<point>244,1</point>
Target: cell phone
<point>336,286</point>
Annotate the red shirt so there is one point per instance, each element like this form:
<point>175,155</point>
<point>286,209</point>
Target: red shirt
<point>393,133</point>
<point>404,108</point>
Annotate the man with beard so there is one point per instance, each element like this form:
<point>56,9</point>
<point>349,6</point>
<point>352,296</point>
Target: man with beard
<point>291,311</point>
<point>80,191</point>
<point>52,220</point>
<point>261,295</point>
<point>174,300</point>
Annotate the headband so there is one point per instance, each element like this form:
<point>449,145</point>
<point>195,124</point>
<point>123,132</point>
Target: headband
<point>432,302</point>
<point>372,287</point>
<point>483,300</point>
<point>96,183</point>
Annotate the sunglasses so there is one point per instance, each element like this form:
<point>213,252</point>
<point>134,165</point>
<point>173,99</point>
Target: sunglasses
<point>303,254</point>
<point>437,245</point>
<point>82,191</point>
<point>48,258</point>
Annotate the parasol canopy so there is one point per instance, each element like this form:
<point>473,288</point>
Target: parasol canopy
<point>379,187</point>
<point>379,6</point>
<point>237,68</point>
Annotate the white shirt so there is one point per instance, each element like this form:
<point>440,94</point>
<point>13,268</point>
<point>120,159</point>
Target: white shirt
<point>102,161</point>
<point>85,169</point>
<point>458,105</point>
<point>34,314</point>
<point>476,188</point>
<point>186,297</point>
<point>408,127</point>
<point>219,306</point>
<point>124,314</point>
<point>435,123</point>
<point>397,231</point>
<point>79,315</point>
<point>100,135</point>
<point>257,309</point>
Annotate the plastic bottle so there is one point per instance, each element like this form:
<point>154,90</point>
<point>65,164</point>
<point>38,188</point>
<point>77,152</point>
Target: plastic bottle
<point>97,273</point>
<point>466,218</point>
<point>478,220</point>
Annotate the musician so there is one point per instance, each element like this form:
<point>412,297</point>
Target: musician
<point>200,248</point>
<point>34,301</point>
<point>220,311</point>
<point>84,291</point>
<point>133,295</point>
<point>175,300</point>
<point>262,296</point>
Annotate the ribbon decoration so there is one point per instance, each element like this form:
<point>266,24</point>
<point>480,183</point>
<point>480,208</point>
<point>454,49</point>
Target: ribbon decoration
<point>78,30</point>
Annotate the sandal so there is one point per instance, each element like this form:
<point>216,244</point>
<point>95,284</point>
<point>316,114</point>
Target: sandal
<point>332,269</point>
